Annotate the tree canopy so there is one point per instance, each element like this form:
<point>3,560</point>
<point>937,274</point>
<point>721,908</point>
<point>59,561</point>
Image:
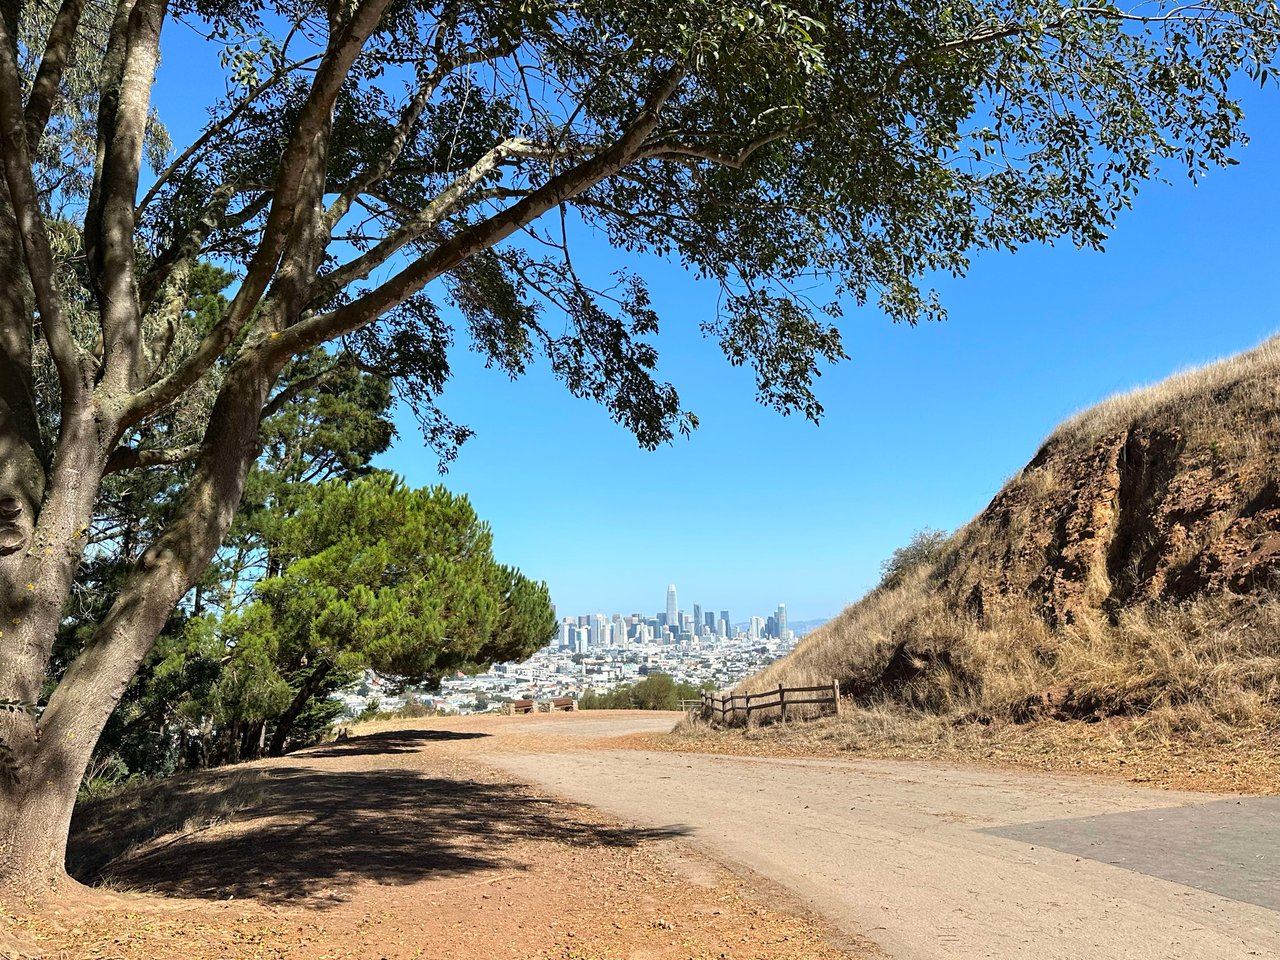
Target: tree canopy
<point>378,179</point>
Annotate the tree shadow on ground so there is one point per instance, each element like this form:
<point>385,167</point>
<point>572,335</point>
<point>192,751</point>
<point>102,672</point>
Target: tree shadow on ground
<point>286,834</point>
<point>390,741</point>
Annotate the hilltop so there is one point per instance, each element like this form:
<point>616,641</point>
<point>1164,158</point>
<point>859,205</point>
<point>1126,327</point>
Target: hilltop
<point>1126,577</point>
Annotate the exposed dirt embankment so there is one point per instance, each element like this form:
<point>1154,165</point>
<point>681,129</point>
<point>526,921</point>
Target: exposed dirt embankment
<point>1129,570</point>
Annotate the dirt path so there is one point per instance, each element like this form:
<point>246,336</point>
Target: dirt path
<point>935,861</point>
<point>398,845</point>
<point>541,837</point>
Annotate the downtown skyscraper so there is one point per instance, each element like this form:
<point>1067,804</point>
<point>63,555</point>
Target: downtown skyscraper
<point>673,610</point>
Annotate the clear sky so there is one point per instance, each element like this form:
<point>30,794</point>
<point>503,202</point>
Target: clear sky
<point>923,425</point>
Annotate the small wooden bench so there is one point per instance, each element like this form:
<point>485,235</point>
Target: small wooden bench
<point>521,706</point>
<point>561,703</point>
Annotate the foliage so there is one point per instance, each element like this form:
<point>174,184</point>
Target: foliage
<point>658,691</point>
<point>206,685</point>
<point>399,580</point>
<point>925,546</point>
<point>373,575</point>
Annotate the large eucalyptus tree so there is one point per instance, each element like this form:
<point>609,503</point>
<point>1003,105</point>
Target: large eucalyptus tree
<point>368,162</point>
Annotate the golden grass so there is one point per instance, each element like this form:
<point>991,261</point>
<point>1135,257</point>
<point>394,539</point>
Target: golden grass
<point>1237,759</point>
<point>930,673</point>
<point>1213,659</point>
<point>1199,395</point>
<point>112,828</point>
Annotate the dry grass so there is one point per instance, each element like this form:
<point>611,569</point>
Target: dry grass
<point>113,828</point>
<point>1232,759</point>
<point>1198,396</point>
<point>1071,640</point>
<point>1209,665</point>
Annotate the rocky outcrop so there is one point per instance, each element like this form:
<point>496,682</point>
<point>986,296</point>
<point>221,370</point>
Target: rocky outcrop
<point>1137,516</point>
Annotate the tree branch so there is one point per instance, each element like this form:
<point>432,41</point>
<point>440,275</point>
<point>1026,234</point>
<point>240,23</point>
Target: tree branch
<point>120,164</point>
<point>187,247</point>
<point>671,149</point>
<point>408,118</point>
<point>315,114</point>
<point>16,159</point>
<point>418,225</point>
<point>57,53</point>
<point>219,127</point>
<point>485,234</point>
<point>289,393</point>
<point>133,458</point>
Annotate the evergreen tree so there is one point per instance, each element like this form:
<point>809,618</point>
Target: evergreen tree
<point>367,164</point>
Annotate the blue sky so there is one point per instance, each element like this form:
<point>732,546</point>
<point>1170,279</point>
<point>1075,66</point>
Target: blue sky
<point>923,425</point>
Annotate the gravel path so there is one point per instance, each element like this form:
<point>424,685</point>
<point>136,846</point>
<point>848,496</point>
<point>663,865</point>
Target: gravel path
<point>936,861</point>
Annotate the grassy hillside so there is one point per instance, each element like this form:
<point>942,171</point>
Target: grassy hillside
<point>1127,574</point>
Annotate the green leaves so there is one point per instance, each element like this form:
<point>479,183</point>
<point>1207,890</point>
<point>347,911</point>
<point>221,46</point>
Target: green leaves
<point>398,580</point>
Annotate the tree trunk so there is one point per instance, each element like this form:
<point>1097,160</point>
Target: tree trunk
<point>34,822</point>
<point>51,755</point>
<point>284,726</point>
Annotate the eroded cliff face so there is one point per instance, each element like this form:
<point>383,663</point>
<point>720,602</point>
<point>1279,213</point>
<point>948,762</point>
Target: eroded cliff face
<point>1148,514</point>
<point>1133,566</point>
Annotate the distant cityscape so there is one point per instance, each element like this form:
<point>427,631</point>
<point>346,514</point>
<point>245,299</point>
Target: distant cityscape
<point>598,652</point>
<point>669,627</point>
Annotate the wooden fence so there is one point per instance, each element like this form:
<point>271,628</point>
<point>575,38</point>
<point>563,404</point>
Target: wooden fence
<point>728,709</point>
<point>555,705</point>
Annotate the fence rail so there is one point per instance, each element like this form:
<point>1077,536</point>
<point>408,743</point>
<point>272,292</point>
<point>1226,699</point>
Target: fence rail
<point>727,709</point>
<point>554,705</point>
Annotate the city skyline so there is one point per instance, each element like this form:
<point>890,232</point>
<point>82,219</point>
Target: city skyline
<point>670,626</point>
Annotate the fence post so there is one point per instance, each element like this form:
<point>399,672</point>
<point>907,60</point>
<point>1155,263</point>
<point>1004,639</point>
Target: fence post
<point>782,702</point>
<point>835,692</point>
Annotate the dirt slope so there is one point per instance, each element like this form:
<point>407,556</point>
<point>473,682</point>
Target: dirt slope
<point>1129,570</point>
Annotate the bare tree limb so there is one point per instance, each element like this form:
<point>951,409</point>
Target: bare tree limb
<point>120,164</point>
<point>16,158</point>
<point>418,224</point>
<point>671,149</point>
<point>289,393</point>
<point>134,458</point>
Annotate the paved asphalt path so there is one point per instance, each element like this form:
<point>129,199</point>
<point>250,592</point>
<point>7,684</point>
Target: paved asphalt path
<point>939,861</point>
